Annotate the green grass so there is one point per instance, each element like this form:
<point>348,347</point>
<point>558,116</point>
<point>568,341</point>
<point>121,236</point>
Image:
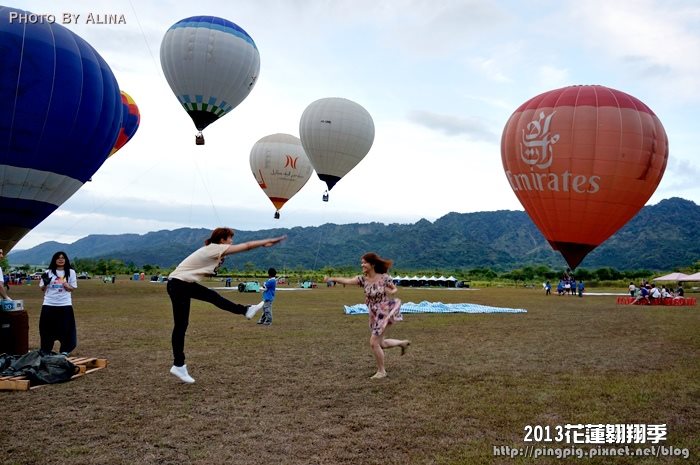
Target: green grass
<point>299,391</point>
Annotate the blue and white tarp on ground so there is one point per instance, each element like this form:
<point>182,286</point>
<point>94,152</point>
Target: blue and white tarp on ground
<point>437,307</point>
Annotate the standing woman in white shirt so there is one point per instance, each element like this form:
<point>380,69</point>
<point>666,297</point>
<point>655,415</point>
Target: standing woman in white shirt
<point>3,292</point>
<point>183,285</point>
<point>57,321</point>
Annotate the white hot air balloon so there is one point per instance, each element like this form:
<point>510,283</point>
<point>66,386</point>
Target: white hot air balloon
<point>337,134</point>
<point>280,166</point>
<point>211,65</point>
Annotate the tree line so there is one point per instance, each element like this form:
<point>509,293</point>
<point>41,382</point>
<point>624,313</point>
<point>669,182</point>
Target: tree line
<point>526,274</point>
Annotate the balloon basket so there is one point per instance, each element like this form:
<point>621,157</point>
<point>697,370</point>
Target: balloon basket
<point>325,196</point>
<point>199,139</point>
<point>277,215</point>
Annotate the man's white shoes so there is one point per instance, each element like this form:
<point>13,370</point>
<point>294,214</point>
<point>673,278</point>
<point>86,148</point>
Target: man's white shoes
<point>253,309</point>
<point>181,372</point>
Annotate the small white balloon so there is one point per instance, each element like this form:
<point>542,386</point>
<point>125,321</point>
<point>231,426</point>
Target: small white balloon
<point>336,133</point>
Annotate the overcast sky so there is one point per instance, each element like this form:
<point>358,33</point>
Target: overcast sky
<point>440,79</point>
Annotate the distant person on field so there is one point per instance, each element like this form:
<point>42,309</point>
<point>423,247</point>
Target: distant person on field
<point>581,288</point>
<point>268,296</point>
<point>643,296</point>
<point>654,293</point>
<point>3,283</point>
<point>183,285</point>
<point>547,288</point>
<point>665,293</point>
<point>679,291</point>
<point>57,320</point>
<point>632,288</point>
<point>383,310</point>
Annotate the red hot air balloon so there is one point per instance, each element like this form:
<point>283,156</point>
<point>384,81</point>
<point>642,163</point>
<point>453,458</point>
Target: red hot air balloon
<point>583,160</point>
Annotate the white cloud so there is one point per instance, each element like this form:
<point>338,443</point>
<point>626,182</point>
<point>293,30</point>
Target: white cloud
<point>472,127</point>
<point>649,40</point>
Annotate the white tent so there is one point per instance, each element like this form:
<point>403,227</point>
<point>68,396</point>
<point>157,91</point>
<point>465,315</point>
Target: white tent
<point>692,277</point>
<point>672,277</point>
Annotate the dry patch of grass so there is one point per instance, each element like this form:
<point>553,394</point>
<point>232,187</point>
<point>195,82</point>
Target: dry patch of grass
<point>299,392</point>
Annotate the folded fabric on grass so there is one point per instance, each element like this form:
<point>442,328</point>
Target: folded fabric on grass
<point>437,307</point>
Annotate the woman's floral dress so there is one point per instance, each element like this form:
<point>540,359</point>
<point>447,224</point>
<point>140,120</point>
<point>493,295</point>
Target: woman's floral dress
<point>383,311</point>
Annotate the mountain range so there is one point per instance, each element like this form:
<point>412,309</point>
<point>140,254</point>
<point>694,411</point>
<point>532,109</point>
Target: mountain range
<point>660,237</point>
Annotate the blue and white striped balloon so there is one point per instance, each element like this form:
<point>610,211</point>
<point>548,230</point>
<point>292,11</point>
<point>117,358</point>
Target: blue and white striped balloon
<point>211,65</point>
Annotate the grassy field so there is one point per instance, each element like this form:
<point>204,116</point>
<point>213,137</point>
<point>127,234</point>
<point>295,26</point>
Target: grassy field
<point>299,392</point>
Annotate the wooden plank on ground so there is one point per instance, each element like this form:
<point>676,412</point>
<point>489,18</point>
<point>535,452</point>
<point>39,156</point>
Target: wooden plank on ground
<point>15,383</point>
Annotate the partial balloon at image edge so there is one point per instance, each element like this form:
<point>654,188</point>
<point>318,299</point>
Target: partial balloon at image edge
<point>69,150</point>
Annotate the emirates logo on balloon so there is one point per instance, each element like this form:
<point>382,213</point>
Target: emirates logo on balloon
<point>536,149</point>
<point>537,144</point>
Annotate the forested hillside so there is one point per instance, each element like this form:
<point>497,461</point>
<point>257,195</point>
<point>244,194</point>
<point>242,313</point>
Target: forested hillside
<point>660,237</point>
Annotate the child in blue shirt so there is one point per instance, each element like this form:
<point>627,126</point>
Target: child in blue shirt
<point>268,296</point>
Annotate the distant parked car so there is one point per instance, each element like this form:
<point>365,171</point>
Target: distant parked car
<point>249,286</point>
<point>307,285</point>
<point>84,275</point>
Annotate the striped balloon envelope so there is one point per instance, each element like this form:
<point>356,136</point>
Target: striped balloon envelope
<point>131,118</point>
<point>211,65</point>
<point>280,167</point>
<point>59,119</point>
<point>583,160</point>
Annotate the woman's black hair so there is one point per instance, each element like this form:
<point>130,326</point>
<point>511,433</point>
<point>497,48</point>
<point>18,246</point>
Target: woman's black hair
<point>66,266</point>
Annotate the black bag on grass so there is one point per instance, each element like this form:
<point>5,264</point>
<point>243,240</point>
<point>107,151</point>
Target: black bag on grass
<point>6,361</point>
<point>41,369</point>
